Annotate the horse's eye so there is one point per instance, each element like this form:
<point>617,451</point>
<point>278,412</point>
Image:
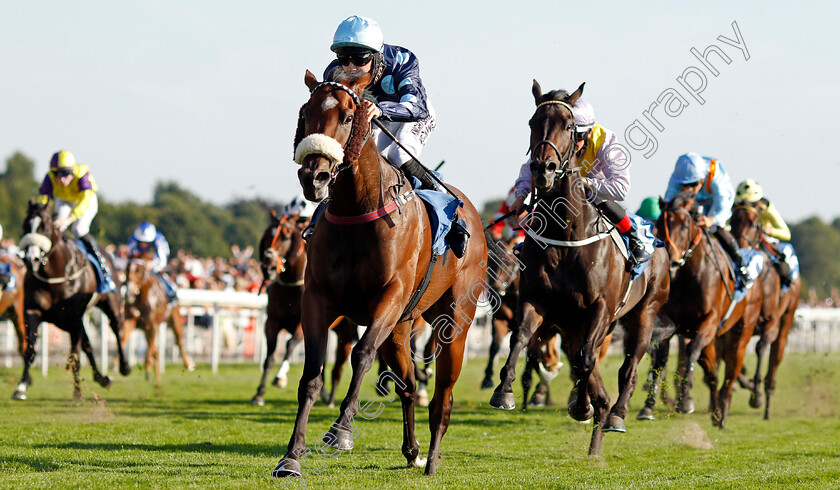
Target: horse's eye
<point>348,119</point>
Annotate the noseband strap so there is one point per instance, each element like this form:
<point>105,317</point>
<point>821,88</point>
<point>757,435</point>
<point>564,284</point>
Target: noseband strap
<point>564,158</point>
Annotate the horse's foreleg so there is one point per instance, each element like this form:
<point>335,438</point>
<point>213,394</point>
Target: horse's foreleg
<point>584,361</point>
<point>637,336</point>
<point>73,361</point>
<point>281,379</point>
<point>32,319</point>
<point>705,334</point>
<point>111,305</point>
<point>531,362</point>
<point>659,358</point>
<point>708,361</point>
<point>528,323</point>
<point>499,330</point>
<point>104,381</point>
<point>175,323</point>
<point>449,363</point>
<point>150,329</point>
<point>394,353</point>
<point>777,353</point>
<point>600,404</point>
<point>316,323</point>
<point>735,349</point>
<point>271,332</point>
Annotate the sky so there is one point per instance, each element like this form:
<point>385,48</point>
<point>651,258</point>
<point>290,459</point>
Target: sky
<point>206,93</point>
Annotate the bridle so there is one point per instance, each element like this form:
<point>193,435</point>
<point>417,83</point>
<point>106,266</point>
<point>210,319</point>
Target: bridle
<point>337,166</point>
<point>41,261</point>
<point>756,224</point>
<point>692,241</point>
<point>565,158</point>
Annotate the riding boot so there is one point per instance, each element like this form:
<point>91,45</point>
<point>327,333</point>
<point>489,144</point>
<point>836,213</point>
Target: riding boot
<point>107,283</point>
<point>783,269</point>
<point>168,287</point>
<point>638,251</point>
<point>458,236</point>
<point>413,168</point>
<point>732,249</point>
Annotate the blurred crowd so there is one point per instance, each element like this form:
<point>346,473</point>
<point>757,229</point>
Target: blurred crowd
<point>240,272</point>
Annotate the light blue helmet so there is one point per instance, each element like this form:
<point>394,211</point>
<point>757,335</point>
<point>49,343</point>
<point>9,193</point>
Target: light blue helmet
<point>358,32</point>
<point>300,206</point>
<point>690,168</point>
<point>145,232</point>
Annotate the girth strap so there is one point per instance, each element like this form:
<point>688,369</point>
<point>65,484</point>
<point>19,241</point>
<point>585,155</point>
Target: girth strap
<point>421,289</point>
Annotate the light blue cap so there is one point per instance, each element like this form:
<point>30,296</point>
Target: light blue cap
<point>358,32</point>
<point>690,168</point>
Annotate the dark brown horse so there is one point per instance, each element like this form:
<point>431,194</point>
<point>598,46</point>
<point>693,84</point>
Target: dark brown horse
<point>701,293</point>
<point>59,287</point>
<point>282,253</point>
<point>11,303</point>
<point>575,280</point>
<point>369,271</point>
<point>147,307</point>
<point>777,312</point>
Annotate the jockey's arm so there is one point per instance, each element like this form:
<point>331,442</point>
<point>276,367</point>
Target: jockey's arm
<point>610,179</point>
<point>723,197</point>
<point>83,205</point>
<point>774,225</point>
<point>45,192</point>
<point>407,84</point>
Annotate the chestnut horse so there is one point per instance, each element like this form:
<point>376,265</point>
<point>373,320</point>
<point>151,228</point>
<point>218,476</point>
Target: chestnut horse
<point>146,307</point>
<point>369,271</point>
<point>59,287</point>
<point>574,279</point>
<point>11,303</point>
<point>701,293</point>
<point>778,308</point>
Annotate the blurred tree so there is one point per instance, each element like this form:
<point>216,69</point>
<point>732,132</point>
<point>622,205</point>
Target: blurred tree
<point>17,185</point>
<point>816,245</point>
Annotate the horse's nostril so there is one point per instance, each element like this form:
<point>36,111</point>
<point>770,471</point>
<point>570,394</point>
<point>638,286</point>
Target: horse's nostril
<point>551,167</point>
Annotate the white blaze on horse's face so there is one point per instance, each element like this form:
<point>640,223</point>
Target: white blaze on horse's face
<point>329,103</point>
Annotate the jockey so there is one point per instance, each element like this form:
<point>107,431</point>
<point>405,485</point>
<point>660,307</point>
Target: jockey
<point>145,238</point>
<point>73,189</point>
<point>750,193</point>
<point>398,97</point>
<point>497,229</point>
<point>605,174</point>
<point>649,209</point>
<point>709,181</point>
<point>8,281</point>
<point>300,207</point>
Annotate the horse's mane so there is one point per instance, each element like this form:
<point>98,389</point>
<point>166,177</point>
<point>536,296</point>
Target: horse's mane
<point>555,95</point>
<point>353,149</point>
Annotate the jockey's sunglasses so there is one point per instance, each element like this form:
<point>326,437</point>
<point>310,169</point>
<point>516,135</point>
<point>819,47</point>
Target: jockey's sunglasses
<point>357,59</point>
<point>63,173</point>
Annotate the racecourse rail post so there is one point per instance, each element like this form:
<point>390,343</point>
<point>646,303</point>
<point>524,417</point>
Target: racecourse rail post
<point>45,347</point>
<point>103,342</point>
<point>162,347</point>
<point>9,334</point>
<point>215,341</point>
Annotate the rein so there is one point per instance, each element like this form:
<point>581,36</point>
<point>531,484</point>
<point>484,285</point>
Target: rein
<point>692,242</point>
<point>56,280</point>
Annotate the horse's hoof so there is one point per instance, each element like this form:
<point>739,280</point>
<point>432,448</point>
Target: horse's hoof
<point>125,369</point>
<point>423,398</point>
<point>417,463</point>
<point>282,382</point>
<point>258,401</point>
<point>191,367</point>
<point>615,424</point>
<point>105,381</point>
<point>338,438</point>
<point>148,376</point>
<point>487,384</point>
<point>77,397</point>
<point>579,415</point>
<point>685,406</point>
<point>645,414</point>
<point>756,400</point>
<point>19,395</point>
<point>538,400</point>
<point>504,401</point>
<point>286,468</point>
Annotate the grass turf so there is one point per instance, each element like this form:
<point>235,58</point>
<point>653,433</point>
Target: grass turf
<point>198,430</point>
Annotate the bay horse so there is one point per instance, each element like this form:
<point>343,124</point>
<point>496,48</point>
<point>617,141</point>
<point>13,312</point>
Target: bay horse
<point>11,302</point>
<point>368,271</point>
<point>777,312</point>
<point>147,306</point>
<point>575,280</point>
<point>701,293</point>
<point>59,287</point>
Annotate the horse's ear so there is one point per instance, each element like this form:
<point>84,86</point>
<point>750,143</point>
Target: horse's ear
<point>576,94</point>
<point>537,91</point>
<point>273,214</point>
<point>661,203</point>
<point>310,80</point>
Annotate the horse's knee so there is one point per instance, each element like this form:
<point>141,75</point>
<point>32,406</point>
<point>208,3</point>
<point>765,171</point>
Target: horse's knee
<point>584,362</point>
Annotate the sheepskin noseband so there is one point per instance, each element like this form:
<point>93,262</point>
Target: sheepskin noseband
<point>320,144</point>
